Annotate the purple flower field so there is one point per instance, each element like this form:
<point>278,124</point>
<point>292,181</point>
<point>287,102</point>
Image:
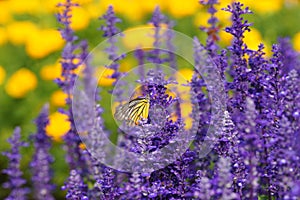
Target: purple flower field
<point>243,142</point>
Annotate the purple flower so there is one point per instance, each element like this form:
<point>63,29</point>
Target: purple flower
<point>223,184</point>
<point>250,146</point>
<point>238,67</point>
<point>15,181</point>
<point>213,30</point>
<point>64,18</point>
<point>290,57</point>
<point>169,45</point>
<point>140,56</point>
<point>201,104</point>
<point>76,188</point>
<point>256,154</point>
<point>40,164</point>
<point>107,184</point>
<point>203,188</point>
<point>111,20</point>
<point>111,30</point>
<point>157,20</point>
<point>69,63</point>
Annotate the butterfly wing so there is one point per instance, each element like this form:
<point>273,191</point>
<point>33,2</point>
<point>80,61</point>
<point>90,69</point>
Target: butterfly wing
<point>133,111</point>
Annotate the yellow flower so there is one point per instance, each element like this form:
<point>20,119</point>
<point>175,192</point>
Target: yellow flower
<point>95,9</point>
<point>19,32</point>
<point>58,98</point>
<point>82,2</point>
<point>50,5</point>
<point>201,19</point>
<point>43,42</point>
<point>20,83</point>
<point>5,13</point>
<point>51,72</point>
<point>127,64</point>
<point>264,6</point>
<point>2,75</point>
<point>179,8</point>
<point>140,36</point>
<point>224,17</point>
<point>58,125</point>
<point>104,74</point>
<point>296,41</point>
<point>252,38</point>
<point>3,36</point>
<point>225,38</point>
<point>80,18</point>
<point>186,74</point>
<point>130,8</point>
<point>21,6</point>
<point>182,77</point>
<point>186,110</point>
<point>149,6</point>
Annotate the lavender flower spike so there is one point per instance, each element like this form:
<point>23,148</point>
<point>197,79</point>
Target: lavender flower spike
<point>40,164</point>
<point>76,187</point>
<point>15,181</point>
<point>110,30</point>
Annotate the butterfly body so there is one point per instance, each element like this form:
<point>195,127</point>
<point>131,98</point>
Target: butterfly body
<point>135,110</point>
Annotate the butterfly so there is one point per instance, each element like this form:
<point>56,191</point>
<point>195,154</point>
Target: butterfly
<point>135,110</point>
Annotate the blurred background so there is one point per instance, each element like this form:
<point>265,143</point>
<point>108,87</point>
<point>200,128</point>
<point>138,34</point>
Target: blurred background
<point>30,47</point>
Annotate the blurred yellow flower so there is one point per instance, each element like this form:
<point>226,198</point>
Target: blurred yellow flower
<point>140,36</point>
<point>2,75</point>
<point>40,43</point>
<point>51,72</point>
<point>20,83</point>
<point>225,38</point>
<point>80,18</point>
<point>223,3</point>
<point>186,74</point>
<point>131,9</point>
<point>149,6</point>
<point>127,64</point>
<point>296,41</point>
<point>5,13</point>
<point>3,36</point>
<point>58,125</point>
<point>105,73</point>
<point>82,2</point>
<point>95,9</point>
<point>186,110</point>
<point>183,76</point>
<point>21,6</point>
<point>50,5</point>
<point>253,39</point>
<point>58,98</point>
<point>201,19</point>
<point>179,8</point>
<point>18,32</point>
<point>223,17</point>
<point>264,6</point>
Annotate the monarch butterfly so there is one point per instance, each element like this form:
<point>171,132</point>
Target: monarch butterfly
<point>134,111</point>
